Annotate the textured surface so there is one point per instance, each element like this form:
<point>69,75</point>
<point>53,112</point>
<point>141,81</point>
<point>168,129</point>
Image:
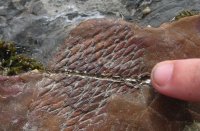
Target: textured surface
<point>108,48</point>
<point>117,48</point>
<point>97,81</point>
<point>40,26</point>
<point>68,102</point>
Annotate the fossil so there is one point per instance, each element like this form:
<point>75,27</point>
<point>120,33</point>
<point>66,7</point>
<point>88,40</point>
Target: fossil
<point>99,80</point>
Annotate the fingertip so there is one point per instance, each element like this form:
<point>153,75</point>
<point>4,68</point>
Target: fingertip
<point>179,79</point>
<point>161,77</point>
<point>162,74</point>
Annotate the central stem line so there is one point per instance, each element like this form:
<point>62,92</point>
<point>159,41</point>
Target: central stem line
<point>138,80</point>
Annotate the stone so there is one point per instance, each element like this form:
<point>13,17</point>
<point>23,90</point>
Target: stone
<point>96,81</point>
<point>40,26</point>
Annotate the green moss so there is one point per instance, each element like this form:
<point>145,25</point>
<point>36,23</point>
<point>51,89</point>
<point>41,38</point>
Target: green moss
<point>12,63</point>
<point>7,49</point>
<point>185,13</point>
<point>20,63</point>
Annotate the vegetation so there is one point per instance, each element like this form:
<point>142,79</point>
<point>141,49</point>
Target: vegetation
<point>185,13</point>
<point>12,63</point>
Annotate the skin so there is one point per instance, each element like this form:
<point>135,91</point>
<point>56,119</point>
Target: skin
<point>178,78</point>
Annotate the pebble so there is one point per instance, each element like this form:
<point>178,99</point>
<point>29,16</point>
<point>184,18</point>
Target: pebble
<point>146,10</point>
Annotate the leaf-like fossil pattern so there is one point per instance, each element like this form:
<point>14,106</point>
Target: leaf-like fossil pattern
<point>97,80</point>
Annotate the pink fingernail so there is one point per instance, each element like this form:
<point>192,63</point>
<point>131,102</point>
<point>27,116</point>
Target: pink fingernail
<point>162,74</point>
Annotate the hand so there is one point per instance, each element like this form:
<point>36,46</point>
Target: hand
<point>178,78</point>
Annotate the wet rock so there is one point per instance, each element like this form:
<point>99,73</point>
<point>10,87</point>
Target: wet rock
<point>2,21</point>
<point>53,19</point>
<point>163,11</point>
<point>33,26</point>
<point>37,8</point>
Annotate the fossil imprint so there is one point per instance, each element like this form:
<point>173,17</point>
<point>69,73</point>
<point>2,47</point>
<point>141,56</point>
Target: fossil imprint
<point>99,80</point>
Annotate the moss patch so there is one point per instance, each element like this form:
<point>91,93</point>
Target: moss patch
<point>185,13</point>
<point>12,63</point>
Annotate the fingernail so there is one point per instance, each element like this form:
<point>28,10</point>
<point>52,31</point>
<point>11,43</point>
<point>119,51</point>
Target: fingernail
<point>162,74</point>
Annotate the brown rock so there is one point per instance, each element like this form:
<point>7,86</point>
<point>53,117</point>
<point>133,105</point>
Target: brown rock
<point>93,80</point>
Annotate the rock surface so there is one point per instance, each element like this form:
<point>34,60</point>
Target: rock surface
<point>40,26</point>
<point>98,81</point>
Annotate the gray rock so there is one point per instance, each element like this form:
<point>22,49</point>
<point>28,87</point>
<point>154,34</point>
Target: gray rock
<point>40,26</point>
<point>164,11</point>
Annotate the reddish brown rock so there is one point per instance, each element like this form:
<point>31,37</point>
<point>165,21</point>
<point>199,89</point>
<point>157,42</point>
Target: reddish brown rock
<point>93,80</point>
<point>115,47</point>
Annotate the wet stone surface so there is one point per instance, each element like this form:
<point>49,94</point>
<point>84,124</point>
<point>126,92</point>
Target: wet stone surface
<point>40,26</point>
